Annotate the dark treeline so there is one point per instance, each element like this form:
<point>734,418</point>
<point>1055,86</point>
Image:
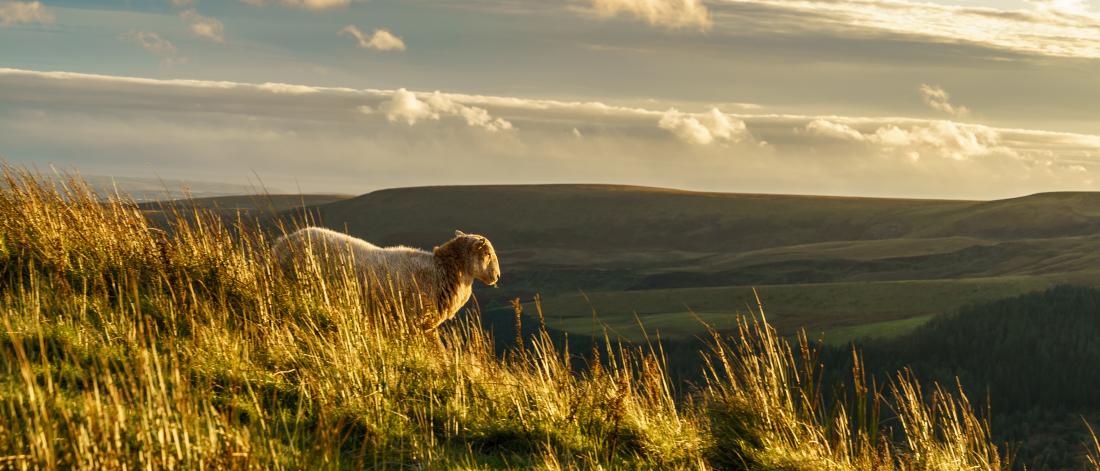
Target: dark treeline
<point>1033,359</point>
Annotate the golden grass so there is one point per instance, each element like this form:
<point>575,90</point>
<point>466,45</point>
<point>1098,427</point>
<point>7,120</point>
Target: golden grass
<point>127,347</point>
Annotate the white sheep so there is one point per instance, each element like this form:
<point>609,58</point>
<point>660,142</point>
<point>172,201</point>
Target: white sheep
<point>443,278</point>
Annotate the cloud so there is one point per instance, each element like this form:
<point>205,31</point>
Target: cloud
<point>826,128</point>
<point>183,3</point>
<point>667,13</point>
<point>153,43</point>
<point>1059,28</point>
<point>16,12</point>
<point>957,141</point>
<point>404,106</point>
<point>705,128</point>
<point>303,4</point>
<point>938,99</point>
<point>348,139</point>
<point>204,26</point>
<point>380,40</point>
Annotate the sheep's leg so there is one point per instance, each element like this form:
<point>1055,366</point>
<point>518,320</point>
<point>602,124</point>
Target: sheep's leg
<point>438,340</point>
<point>430,328</point>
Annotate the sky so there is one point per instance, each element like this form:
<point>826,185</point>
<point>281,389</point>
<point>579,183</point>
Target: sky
<point>975,99</point>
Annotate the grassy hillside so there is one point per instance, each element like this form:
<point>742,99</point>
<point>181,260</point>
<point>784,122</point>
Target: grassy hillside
<point>125,347</point>
<point>622,219</point>
<point>821,262</point>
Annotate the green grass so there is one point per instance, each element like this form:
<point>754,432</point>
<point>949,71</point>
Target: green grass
<point>127,347</point>
<point>881,330</point>
<point>815,307</point>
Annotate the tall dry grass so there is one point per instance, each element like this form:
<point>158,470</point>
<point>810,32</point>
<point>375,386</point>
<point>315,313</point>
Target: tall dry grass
<point>124,347</point>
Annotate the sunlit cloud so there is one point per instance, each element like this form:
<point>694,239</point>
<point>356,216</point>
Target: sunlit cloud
<point>357,139</point>
<point>1061,28</point>
<point>15,12</point>
<point>957,141</point>
<point>404,107</point>
<point>380,40</point>
<point>938,99</point>
<point>303,4</point>
<point>666,13</point>
<point>825,128</point>
<point>204,26</point>
<point>705,128</point>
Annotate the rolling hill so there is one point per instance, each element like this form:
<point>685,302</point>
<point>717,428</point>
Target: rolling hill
<point>231,207</point>
<point>821,262</point>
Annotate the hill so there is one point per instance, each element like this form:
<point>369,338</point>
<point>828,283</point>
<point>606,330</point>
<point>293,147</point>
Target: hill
<point>145,189</point>
<point>232,208</point>
<point>245,203</point>
<point>870,262</point>
<point>125,347</point>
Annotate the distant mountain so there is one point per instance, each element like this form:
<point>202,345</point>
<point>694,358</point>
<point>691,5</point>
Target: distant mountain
<point>262,207</point>
<point>157,189</point>
<point>248,202</point>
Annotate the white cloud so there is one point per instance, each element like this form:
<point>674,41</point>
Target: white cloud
<point>667,13</point>
<point>178,127</point>
<point>705,128</point>
<point>153,43</point>
<point>15,12</point>
<point>938,99</point>
<point>1064,7</point>
<point>380,40</point>
<point>303,4</point>
<point>945,138</point>
<point>404,106</point>
<point>204,26</point>
<point>1060,28</point>
<point>957,141</point>
<point>824,127</point>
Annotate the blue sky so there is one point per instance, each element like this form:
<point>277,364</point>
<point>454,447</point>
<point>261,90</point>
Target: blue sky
<point>974,99</point>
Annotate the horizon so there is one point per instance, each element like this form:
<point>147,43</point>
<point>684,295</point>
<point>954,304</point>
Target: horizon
<point>270,191</point>
<point>898,99</point>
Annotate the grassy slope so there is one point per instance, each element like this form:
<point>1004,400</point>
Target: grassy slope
<point>124,347</point>
<point>641,250</point>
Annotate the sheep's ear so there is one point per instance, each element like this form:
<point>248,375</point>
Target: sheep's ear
<point>459,233</point>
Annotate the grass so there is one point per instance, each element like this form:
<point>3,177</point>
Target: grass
<point>125,346</point>
<point>883,330</point>
<point>818,307</point>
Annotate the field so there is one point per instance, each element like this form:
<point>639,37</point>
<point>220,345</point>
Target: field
<point>843,309</point>
<point>129,347</point>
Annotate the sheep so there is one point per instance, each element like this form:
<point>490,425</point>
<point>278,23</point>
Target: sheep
<point>442,279</point>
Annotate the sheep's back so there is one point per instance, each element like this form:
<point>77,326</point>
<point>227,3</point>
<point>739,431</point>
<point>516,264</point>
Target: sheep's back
<point>401,263</point>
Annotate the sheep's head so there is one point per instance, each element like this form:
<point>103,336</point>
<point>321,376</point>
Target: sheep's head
<point>477,255</point>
